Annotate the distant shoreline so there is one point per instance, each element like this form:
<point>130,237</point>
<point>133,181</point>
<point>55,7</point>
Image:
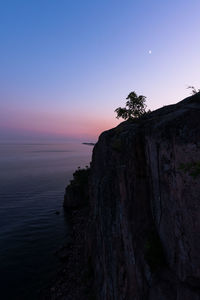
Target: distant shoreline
<point>89,144</point>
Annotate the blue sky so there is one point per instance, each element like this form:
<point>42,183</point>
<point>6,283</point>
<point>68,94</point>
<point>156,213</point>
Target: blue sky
<point>66,65</point>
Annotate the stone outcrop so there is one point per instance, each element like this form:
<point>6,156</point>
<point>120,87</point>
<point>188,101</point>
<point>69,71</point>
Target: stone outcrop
<point>144,182</point>
<point>141,234</point>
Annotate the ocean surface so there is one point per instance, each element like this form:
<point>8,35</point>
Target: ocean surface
<point>33,178</point>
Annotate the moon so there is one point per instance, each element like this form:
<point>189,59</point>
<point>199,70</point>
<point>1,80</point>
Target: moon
<point>150,51</point>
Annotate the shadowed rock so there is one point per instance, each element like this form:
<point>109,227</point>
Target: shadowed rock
<point>141,233</point>
<point>139,185</point>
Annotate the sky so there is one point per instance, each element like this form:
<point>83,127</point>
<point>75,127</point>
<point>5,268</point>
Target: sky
<point>66,65</point>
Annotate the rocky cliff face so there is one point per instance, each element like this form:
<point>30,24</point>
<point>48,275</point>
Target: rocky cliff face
<point>143,236</point>
<point>136,235</point>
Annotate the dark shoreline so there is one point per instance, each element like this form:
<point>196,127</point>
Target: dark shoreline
<point>74,278</point>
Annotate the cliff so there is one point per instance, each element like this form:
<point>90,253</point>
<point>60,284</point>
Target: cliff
<point>144,183</point>
<point>142,238</point>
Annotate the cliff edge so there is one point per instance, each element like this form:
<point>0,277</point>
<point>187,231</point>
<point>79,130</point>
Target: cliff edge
<point>142,237</point>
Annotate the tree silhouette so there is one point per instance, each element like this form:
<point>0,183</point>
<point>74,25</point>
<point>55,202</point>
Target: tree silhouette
<point>135,107</point>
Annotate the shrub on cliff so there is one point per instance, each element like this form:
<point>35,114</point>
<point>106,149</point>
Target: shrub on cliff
<point>77,192</point>
<point>135,107</point>
<point>194,90</point>
<point>80,177</point>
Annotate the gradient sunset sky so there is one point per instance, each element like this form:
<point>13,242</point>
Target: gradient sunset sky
<point>65,65</point>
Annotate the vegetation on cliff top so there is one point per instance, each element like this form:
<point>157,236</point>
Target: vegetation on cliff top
<point>135,107</point>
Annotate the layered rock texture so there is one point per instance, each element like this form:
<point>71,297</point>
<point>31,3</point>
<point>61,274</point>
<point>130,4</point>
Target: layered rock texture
<point>142,238</point>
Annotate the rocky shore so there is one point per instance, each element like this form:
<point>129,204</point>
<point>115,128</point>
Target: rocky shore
<point>74,280</point>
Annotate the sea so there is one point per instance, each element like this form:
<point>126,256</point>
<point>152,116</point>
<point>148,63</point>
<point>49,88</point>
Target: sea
<point>33,225</point>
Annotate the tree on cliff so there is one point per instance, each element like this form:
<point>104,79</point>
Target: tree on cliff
<point>135,107</point>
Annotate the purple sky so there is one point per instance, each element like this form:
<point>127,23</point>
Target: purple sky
<point>66,65</point>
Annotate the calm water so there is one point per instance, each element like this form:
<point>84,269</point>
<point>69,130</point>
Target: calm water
<point>32,182</point>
